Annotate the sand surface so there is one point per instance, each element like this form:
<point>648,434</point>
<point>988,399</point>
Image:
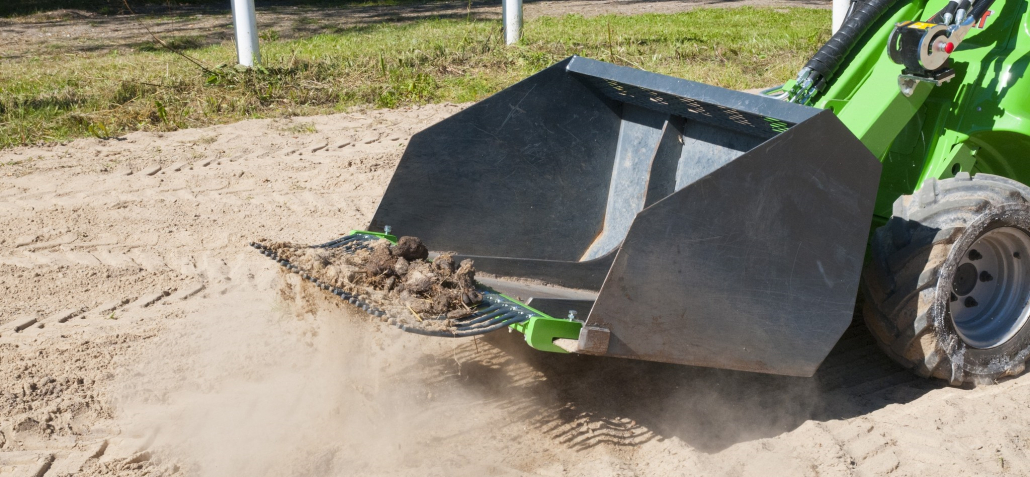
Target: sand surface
<point>140,335</point>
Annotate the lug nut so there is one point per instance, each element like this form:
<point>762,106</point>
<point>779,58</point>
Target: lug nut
<point>985,277</point>
<point>970,302</point>
<point>974,255</point>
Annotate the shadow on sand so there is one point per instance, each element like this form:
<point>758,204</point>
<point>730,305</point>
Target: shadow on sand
<point>585,401</point>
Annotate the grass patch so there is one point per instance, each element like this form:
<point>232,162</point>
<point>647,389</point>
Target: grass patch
<point>386,66</point>
<point>301,128</point>
<point>178,43</point>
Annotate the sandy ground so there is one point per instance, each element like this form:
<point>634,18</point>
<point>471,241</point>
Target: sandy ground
<point>139,335</point>
<point>74,32</point>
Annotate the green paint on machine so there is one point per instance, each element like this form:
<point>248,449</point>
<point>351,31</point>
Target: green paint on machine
<point>979,121</point>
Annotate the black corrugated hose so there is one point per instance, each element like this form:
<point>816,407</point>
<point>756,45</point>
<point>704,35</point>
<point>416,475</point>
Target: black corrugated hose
<point>861,16</point>
<point>828,59</point>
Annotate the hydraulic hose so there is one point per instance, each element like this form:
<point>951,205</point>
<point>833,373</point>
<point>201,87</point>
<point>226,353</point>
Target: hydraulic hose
<point>831,55</point>
<point>979,8</point>
<point>828,59</point>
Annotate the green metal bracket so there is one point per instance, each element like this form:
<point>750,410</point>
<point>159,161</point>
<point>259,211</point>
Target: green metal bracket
<point>964,158</point>
<point>960,157</point>
<point>541,330</point>
<point>381,235</point>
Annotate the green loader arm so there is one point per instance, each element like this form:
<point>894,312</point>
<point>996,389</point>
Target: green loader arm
<point>979,121</point>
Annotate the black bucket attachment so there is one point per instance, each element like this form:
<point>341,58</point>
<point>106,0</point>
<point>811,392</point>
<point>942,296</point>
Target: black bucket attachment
<point>715,228</point>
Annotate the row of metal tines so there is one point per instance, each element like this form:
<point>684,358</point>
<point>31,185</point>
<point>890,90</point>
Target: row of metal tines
<point>351,298</point>
<point>350,243</point>
<point>495,312</point>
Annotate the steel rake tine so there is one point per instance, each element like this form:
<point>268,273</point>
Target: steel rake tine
<point>486,324</point>
<point>482,319</point>
<point>338,242</point>
<point>483,331</point>
<point>425,332</point>
<point>460,333</point>
<point>477,317</point>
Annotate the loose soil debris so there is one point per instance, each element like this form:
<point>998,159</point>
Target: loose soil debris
<point>398,278</point>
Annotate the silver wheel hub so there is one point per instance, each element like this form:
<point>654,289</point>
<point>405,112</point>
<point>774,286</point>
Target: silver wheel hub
<point>990,292</point>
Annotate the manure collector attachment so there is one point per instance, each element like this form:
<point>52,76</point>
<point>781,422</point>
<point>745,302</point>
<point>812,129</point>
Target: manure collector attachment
<point>669,220</point>
<point>494,312</point>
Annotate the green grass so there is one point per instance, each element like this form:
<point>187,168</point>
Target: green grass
<point>50,98</point>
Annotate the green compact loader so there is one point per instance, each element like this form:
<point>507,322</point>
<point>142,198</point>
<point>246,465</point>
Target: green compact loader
<point>616,212</point>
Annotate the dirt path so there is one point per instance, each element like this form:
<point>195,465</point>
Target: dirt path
<point>139,335</point>
<point>77,32</point>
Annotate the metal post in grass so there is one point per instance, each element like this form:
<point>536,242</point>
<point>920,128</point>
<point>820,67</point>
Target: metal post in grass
<point>511,15</point>
<point>245,21</point>
<point>840,12</point>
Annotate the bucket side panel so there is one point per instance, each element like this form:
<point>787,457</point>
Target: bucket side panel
<point>524,173</point>
<point>753,267</point>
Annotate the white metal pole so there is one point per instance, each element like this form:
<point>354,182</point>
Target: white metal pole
<point>840,11</point>
<point>511,15</point>
<point>245,21</point>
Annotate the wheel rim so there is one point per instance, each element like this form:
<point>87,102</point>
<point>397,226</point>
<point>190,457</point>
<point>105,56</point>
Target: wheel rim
<point>990,292</point>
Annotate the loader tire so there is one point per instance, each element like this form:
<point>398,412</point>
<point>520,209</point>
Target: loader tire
<point>928,297</point>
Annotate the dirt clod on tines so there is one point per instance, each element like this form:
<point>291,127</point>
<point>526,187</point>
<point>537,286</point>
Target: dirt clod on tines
<point>397,276</point>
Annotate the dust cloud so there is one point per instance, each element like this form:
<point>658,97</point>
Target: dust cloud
<point>294,385</point>
<point>291,381</point>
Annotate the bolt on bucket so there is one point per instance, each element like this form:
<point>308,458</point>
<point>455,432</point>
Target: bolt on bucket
<point>712,227</point>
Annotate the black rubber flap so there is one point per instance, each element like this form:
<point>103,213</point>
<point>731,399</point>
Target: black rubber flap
<point>753,267</point>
